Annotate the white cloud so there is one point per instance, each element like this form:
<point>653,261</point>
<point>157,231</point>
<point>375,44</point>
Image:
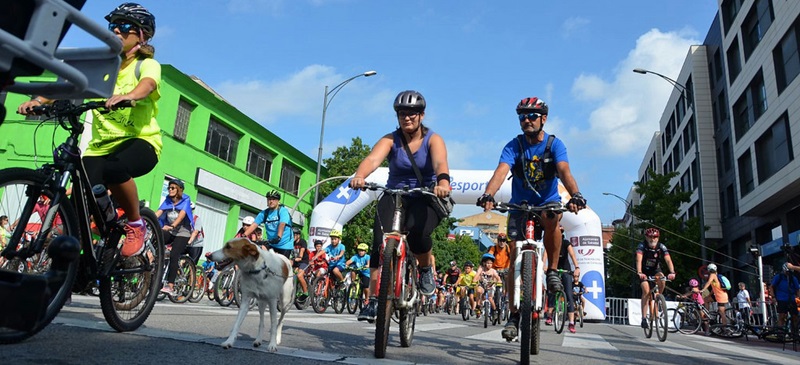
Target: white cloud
<point>627,109</point>
<point>573,25</point>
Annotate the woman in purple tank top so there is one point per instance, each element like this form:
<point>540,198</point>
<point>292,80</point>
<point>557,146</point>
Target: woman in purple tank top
<point>430,156</point>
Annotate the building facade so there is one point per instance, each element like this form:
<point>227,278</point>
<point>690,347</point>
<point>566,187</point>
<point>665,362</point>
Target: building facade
<point>226,160</point>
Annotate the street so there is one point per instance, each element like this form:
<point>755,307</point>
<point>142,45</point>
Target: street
<point>192,333</point>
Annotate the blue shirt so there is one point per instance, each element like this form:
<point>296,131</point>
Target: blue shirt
<point>273,218</point>
<point>333,252</point>
<point>401,173</point>
<point>785,287</point>
<point>533,170</point>
<point>361,262</point>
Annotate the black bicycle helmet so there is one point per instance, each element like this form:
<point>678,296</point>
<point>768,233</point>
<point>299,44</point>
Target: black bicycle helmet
<point>468,263</point>
<point>533,105</point>
<point>273,194</point>
<point>409,100</point>
<point>135,14</point>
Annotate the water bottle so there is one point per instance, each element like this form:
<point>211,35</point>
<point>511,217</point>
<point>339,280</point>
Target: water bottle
<point>529,229</point>
<point>104,202</point>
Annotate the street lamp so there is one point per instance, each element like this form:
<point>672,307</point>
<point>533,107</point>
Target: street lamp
<point>688,96</point>
<point>327,101</point>
<point>756,251</point>
<point>627,206</point>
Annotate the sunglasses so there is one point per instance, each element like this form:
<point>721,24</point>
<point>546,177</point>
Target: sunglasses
<point>172,188</point>
<point>407,113</point>
<point>123,27</point>
<point>529,116</point>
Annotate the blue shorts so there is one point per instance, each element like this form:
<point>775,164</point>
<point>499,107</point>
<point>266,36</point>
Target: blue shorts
<point>332,264</point>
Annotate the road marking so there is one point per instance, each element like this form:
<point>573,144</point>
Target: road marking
<point>587,341</point>
<point>680,350</point>
<point>493,336</point>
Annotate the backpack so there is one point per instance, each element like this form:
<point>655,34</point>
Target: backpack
<point>548,163</point>
<point>726,284</point>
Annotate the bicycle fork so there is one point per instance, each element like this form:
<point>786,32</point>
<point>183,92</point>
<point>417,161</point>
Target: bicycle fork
<point>538,252</point>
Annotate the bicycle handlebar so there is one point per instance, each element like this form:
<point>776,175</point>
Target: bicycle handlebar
<point>406,190</point>
<point>65,108</point>
<point>555,207</point>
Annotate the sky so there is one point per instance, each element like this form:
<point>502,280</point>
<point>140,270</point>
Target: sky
<point>472,60</point>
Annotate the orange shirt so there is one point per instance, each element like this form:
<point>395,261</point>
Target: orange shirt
<point>501,259</point>
<point>720,294</point>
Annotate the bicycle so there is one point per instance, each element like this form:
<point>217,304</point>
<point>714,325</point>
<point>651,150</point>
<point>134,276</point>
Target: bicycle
<point>398,275</point>
<point>302,302</point>
<point>578,305</point>
<point>325,294</point>
<point>489,314</point>
<point>225,286</point>
<point>500,298</point>
<point>560,306</point>
<point>127,285</point>
<point>200,287</point>
<point>184,279</point>
<point>463,303</point>
<point>449,300</point>
<point>657,305</point>
<point>355,296</point>
<point>529,289</point>
<point>689,316</point>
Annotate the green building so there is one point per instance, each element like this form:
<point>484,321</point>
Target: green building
<point>226,160</point>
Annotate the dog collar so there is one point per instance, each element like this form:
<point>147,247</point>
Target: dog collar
<point>263,268</point>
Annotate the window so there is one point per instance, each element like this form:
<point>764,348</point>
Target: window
<point>677,154</point>
<point>259,162</point>
<point>695,175</point>
<point>745,166</point>
<point>668,165</point>
<point>669,131</point>
<point>722,106</point>
<point>750,106</point>
<point>755,25</point>
<point>758,93</point>
<point>734,61</point>
<point>730,202</point>
<point>729,9</point>
<point>773,149</point>
<point>786,58</point>
<point>182,120</point>
<point>741,117</point>
<point>727,156</point>
<point>686,181</point>
<point>221,141</point>
<point>718,65</point>
<point>290,179</point>
<point>688,135</point>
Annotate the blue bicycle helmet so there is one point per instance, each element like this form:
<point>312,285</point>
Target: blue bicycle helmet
<point>487,256</point>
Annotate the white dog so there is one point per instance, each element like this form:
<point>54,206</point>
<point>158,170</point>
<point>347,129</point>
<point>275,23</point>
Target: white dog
<point>264,275</point>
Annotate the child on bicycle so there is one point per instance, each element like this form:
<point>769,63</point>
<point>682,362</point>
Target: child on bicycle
<point>466,284</point>
<point>126,143</point>
<point>488,277</point>
<point>319,261</point>
<point>361,262</point>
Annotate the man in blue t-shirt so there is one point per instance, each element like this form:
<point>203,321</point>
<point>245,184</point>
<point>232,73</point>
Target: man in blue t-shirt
<point>278,223</point>
<point>784,288</point>
<point>536,173</point>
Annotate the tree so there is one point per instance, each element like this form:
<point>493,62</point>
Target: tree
<point>658,208</point>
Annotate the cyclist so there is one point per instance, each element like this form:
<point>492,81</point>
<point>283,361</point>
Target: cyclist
<point>361,262</point>
<point>648,263</point>
<point>466,284</point>
<point>277,224</point>
<point>502,253</point>
<point>335,253</point>
<point>195,244</point>
<point>578,289</point>
<point>246,223</point>
<point>319,261</point>
<point>535,180</point>
<point>785,288</point>
<point>300,261</point>
<point>488,277</point>
<point>175,214</point>
<point>720,294</point>
<point>430,162</point>
<point>565,255</point>
<point>126,143</point>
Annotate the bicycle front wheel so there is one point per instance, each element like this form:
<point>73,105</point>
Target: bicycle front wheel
<point>408,316</point>
<point>184,281</point>
<point>559,311</point>
<point>579,316</point>
<point>223,289</point>
<point>525,310</point>
<point>661,318</point>
<point>199,287</point>
<point>385,304</point>
<point>128,293</point>
<point>19,187</point>
<point>353,297</point>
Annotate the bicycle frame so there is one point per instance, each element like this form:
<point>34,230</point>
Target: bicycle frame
<point>537,247</point>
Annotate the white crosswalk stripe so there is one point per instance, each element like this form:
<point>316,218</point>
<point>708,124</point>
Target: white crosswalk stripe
<point>587,341</point>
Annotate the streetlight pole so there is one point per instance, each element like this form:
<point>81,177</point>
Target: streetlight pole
<point>688,96</point>
<point>627,205</point>
<point>327,101</point>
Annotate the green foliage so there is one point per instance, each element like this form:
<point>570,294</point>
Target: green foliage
<point>658,208</point>
<point>461,249</point>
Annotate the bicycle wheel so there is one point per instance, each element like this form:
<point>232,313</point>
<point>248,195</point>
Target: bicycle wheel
<point>223,288</point>
<point>579,315</point>
<point>487,308</point>
<point>689,320</point>
<point>661,320</point>
<point>385,304</point>
<point>408,316</point>
<point>320,297</point>
<point>339,299</point>
<point>526,322</point>
<point>184,280</point>
<point>648,330</point>
<point>128,294</point>
<point>17,186</point>
<point>299,303</point>
<point>353,297</point>
<point>199,287</point>
<point>559,311</point>
<point>464,306</point>
<point>674,320</point>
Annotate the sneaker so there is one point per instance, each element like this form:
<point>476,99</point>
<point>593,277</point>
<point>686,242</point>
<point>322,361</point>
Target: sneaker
<point>134,240</point>
<point>368,312</point>
<point>510,329</point>
<point>426,283</point>
<point>167,290</point>
<point>548,321</point>
<point>645,324</point>
<point>554,281</point>
<point>572,328</point>
<point>303,296</point>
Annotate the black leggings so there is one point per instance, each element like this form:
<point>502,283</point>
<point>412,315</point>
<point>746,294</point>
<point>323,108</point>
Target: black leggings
<point>133,158</point>
<point>419,220</point>
<point>178,248</point>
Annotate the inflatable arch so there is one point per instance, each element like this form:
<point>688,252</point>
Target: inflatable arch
<point>583,230</point>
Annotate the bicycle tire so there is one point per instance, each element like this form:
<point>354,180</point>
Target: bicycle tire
<point>559,312</point>
<point>199,287</point>
<point>674,320</point>
<point>300,304</point>
<point>124,314</point>
<point>661,318</point>
<point>579,314</point>
<point>648,330</point>
<point>353,297</point>
<point>690,320</point>
<point>14,182</point>
<point>319,303</point>
<point>223,288</point>
<point>464,306</point>
<point>408,320</point>
<point>184,280</point>
<point>339,300</point>
<point>526,324</point>
<point>486,312</point>
<point>385,304</point>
